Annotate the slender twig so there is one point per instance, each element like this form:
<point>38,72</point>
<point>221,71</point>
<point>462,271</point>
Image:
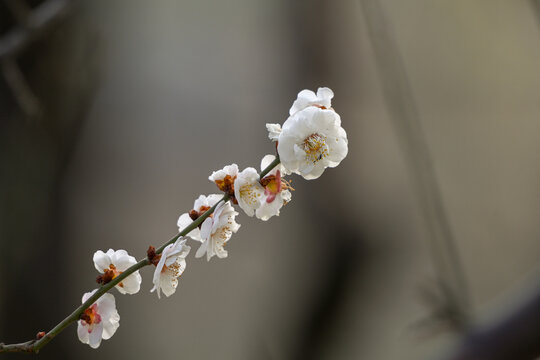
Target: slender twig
<point>404,113</point>
<point>35,346</point>
<point>21,347</point>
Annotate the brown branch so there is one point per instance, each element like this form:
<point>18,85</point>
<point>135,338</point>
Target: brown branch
<point>21,347</point>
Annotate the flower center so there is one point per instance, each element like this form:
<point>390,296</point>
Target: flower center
<point>320,106</point>
<point>226,184</point>
<point>315,147</point>
<point>194,214</point>
<point>273,185</point>
<point>108,275</point>
<point>90,316</point>
<point>248,194</point>
<point>174,269</point>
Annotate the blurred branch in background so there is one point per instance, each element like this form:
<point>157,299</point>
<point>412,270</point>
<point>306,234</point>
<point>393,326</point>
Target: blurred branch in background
<point>535,4</point>
<point>513,337</point>
<point>31,24</point>
<point>61,71</point>
<point>345,256</point>
<point>26,99</point>
<point>454,307</point>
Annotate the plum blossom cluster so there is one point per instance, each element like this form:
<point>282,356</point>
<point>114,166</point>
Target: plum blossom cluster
<point>310,140</point>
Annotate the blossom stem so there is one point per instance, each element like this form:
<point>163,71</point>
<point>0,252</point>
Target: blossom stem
<point>105,288</point>
<point>35,345</point>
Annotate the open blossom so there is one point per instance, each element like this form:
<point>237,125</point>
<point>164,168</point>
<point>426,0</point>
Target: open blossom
<point>113,263</point>
<point>262,197</point>
<point>99,321</point>
<point>311,140</point>
<point>248,191</point>
<point>171,265</point>
<point>200,206</point>
<point>216,230</point>
<point>225,178</point>
<point>276,190</point>
<point>307,98</point>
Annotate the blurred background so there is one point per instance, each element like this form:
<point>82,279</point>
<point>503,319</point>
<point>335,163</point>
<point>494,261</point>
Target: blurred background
<point>114,113</point>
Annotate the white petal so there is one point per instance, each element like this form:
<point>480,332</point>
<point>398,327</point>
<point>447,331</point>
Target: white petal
<point>286,195</point>
<point>168,283</point>
<point>338,151</point>
<point>273,131</point>
<point>206,228</point>
<point>156,280</point>
<point>106,306</point>
<point>202,249</point>
<point>266,161</point>
<point>325,96</point>
<point>184,249</point>
<point>122,261</point>
<point>314,173</point>
<point>304,99</point>
<point>101,261</point>
<point>94,338</point>
<point>131,284</point>
<point>82,332</point>
<point>199,202</point>
<point>220,252</point>
<point>213,199</point>
<point>267,210</point>
<point>184,221</point>
<point>231,170</point>
<point>87,295</point>
<point>110,326</point>
<point>178,250</point>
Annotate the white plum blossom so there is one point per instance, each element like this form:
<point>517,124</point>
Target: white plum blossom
<point>276,190</point>
<point>311,140</point>
<point>231,170</point>
<point>171,265</point>
<point>307,98</point>
<point>248,191</point>
<point>216,230</point>
<point>202,204</point>
<point>113,263</point>
<point>99,321</point>
<point>225,178</point>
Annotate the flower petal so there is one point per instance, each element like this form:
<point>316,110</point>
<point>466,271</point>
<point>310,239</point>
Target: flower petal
<point>122,260</point>
<point>101,261</point>
<point>106,306</point>
<point>82,332</point>
<point>131,284</point>
<point>110,327</point>
<point>184,221</point>
<point>94,338</point>
<point>273,131</point>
